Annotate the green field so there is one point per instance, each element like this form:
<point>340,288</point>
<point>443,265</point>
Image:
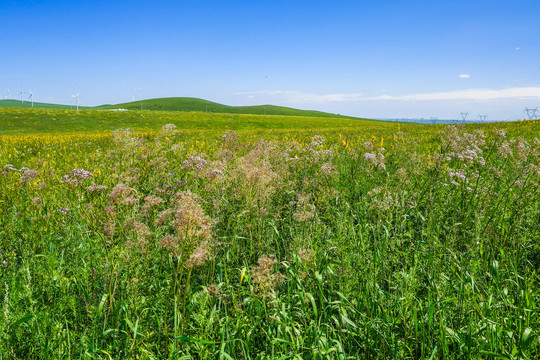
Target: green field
<point>291,237</point>
<point>24,121</point>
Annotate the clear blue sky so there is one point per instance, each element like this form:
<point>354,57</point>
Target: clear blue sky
<point>408,58</point>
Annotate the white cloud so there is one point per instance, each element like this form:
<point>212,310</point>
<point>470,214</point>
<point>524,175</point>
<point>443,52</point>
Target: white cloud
<point>297,97</point>
<point>464,76</point>
<point>471,94</point>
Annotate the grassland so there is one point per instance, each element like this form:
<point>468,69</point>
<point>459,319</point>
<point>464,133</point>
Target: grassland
<point>200,105</point>
<point>287,238</point>
<point>185,104</point>
<point>24,121</point>
<point>37,105</point>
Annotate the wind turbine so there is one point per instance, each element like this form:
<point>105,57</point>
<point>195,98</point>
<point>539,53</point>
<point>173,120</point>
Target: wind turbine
<point>8,94</point>
<point>22,94</point>
<point>31,97</point>
<point>76,96</point>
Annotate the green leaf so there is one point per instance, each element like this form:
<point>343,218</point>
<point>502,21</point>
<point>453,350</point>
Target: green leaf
<point>525,338</point>
<point>495,355</point>
<point>102,303</point>
<point>24,319</point>
<point>185,338</point>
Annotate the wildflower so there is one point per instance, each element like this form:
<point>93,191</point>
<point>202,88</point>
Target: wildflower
<point>505,150</point>
<point>151,201</point>
<point>120,191</point>
<point>318,155</point>
<point>460,175</point>
<point>306,256</point>
<point>64,211</point>
<point>189,219</point>
<point>96,188</point>
<point>521,149</point>
<point>163,217</point>
<point>170,244</point>
<point>329,169</point>
<point>37,200</point>
<point>81,174</point>
<point>265,277</point>
<point>225,155</point>
<point>109,210</point>
<point>464,146</point>
<point>160,163</point>
<point>375,160</point>
<point>8,168</point>
<point>214,173</point>
<point>199,256</point>
<point>316,141</point>
<point>129,201</point>
<point>304,210</point>
<point>108,228</point>
<point>139,228</point>
<point>28,175</point>
<point>76,177</point>
<point>130,176</point>
<point>230,139</point>
<point>126,139</point>
<point>142,232</point>
<point>168,130</point>
<point>196,163</point>
<point>500,133</point>
<point>214,290</point>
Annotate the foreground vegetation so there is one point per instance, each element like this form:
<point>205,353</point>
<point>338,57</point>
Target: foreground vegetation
<point>368,241</point>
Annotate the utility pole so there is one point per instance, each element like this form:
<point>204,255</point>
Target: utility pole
<point>531,113</point>
<point>464,116</point>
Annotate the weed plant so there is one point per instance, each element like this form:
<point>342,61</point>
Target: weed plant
<point>415,242</point>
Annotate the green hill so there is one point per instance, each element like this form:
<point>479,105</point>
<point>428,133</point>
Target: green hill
<point>38,105</point>
<point>200,105</point>
<point>185,104</point>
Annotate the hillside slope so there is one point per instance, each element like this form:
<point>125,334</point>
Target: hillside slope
<point>194,104</point>
<point>27,104</point>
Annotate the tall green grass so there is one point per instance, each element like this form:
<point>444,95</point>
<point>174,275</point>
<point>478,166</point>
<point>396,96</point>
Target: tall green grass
<point>336,243</point>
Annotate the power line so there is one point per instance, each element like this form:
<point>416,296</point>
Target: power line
<point>531,113</point>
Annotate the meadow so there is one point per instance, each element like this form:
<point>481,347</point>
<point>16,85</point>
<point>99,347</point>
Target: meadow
<point>229,236</point>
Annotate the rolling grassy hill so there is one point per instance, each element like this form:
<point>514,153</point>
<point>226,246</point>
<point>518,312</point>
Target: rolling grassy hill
<point>27,104</point>
<point>194,104</point>
<point>186,104</point>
